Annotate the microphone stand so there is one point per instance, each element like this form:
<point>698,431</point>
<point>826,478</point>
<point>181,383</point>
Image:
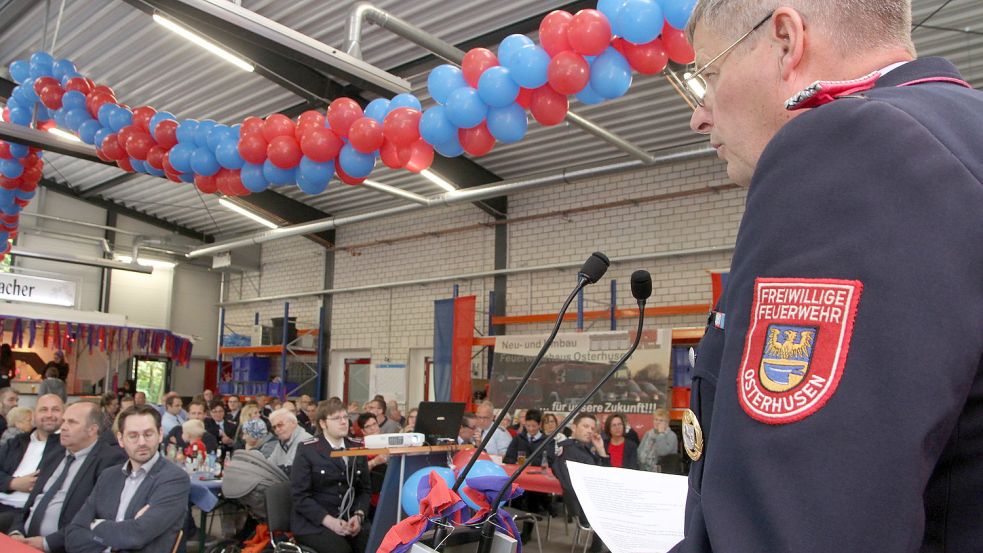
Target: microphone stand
<point>488,527</point>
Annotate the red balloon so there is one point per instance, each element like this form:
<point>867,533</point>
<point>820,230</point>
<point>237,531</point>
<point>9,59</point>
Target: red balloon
<point>142,116</point>
<point>138,145</point>
<point>32,174</point>
<point>389,154</point>
<point>475,62</point>
<point>79,84</point>
<point>320,145</point>
<point>222,182</point>
<point>10,184</point>
<point>42,82</point>
<point>366,135</point>
<point>568,73</point>
<point>524,97</point>
<point>677,47</point>
<point>155,157</point>
<point>589,32</point>
<point>345,178</point>
<point>5,150</point>
<point>5,113</point>
<point>51,96</point>
<point>278,125</point>
<point>402,126</point>
<point>342,113</point>
<point>421,156</point>
<point>284,152</point>
<point>30,186</point>
<point>549,107</point>
<point>47,125</point>
<point>234,183</point>
<point>648,59</point>
<point>124,134</point>
<point>252,148</point>
<point>22,203</point>
<point>250,125</point>
<point>103,88</point>
<point>173,176</point>
<point>166,133</point>
<point>112,149</point>
<point>476,141</point>
<point>125,164</point>
<point>101,155</point>
<point>311,117</point>
<point>207,185</point>
<point>95,99</point>
<point>553,32</point>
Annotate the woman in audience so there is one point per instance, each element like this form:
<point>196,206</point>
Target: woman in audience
<point>623,453</point>
<point>659,451</point>
<point>20,421</point>
<point>248,412</point>
<point>410,420</point>
<point>256,436</point>
<point>109,405</point>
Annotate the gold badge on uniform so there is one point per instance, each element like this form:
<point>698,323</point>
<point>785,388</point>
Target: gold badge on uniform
<point>692,435</point>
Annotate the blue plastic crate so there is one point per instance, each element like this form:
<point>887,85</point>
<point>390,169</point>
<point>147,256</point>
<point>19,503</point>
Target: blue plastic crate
<point>251,368</point>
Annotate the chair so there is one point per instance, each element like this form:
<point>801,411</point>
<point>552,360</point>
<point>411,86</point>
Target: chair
<point>279,504</point>
<point>177,542</point>
<point>524,516</point>
<point>573,508</point>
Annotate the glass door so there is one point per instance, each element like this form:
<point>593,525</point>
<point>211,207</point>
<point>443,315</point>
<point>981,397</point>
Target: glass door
<point>153,376</point>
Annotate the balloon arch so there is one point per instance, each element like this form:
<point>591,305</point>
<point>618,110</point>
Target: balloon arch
<point>590,55</point>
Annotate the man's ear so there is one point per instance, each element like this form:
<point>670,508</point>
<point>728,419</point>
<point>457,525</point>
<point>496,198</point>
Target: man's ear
<point>787,30</point>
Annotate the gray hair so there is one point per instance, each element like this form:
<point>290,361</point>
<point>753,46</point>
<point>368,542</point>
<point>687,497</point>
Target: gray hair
<point>854,25</point>
<point>283,413</point>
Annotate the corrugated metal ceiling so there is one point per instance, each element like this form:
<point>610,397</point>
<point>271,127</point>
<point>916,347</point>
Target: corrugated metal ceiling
<point>116,44</point>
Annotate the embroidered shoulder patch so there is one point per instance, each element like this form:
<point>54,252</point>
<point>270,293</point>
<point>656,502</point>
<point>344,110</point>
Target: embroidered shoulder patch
<point>797,344</point>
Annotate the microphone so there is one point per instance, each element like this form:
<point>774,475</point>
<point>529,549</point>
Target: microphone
<point>595,267</point>
<point>641,289</point>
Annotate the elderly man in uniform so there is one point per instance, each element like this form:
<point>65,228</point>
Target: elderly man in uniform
<point>839,383</point>
<point>290,435</point>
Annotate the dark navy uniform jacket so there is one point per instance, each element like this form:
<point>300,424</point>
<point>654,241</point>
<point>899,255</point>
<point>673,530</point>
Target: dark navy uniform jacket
<point>319,484</point>
<point>882,188</point>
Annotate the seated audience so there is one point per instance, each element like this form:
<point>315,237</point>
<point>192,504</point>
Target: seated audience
<point>330,494</point>
<point>196,411</point>
<point>263,403</point>
<point>125,403</point>
<point>394,414</point>
<point>208,396</point>
<point>467,433</point>
<point>289,405</point>
<point>523,445</point>
<point>659,451</point>
<point>21,421</point>
<point>52,383</point>
<point>171,417</point>
<point>8,400</point>
<point>311,412</point>
<point>22,457</point>
<point>410,420</point>
<point>222,430</point>
<point>584,446</point>
<point>192,432</point>
<point>254,435</point>
<point>623,453</point>
<point>66,481</point>
<point>58,361</point>
<point>137,506</point>
<point>365,425</point>
<point>139,399</point>
<point>109,405</point>
<point>289,436</point>
<point>302,402</point>
<point>354,410</point>
<point>500,439</point>
<point>378,408</point>
<point>233,406</point>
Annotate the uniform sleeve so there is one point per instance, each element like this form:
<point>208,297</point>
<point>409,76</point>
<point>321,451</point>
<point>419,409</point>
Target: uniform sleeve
<point>855,191</point>
<point>301,483</point>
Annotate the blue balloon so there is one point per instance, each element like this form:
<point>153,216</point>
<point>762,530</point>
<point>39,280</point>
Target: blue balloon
<point>180,156</point>
<point>481,468</point>
<point>410,498</point>
<point>640,21</point>
<point>69,76</point>
<point>74,118</point>
<point>20,116</point>
<point>104,114</point>
<point>404,100</point>
<point>354,163</point>
<point>11,168</point>
<point>610,74</point>
<point>465,108</point>
<point>203,162</point>
<point>610,10</point>
<point>313,177</point>
<point>100,135</point>
<point>201,132</point>
<point>88,129</point>
<point>187,177</point>
<point>43,114</point>
<point>216,135</point>
<point>186,131</point>
<point>451,148</point>
<point>235,131</point>
<point>40,69</point>
<point>22,195</point>
<point>157,118</point>
<point>443,80</point>
<point>678,12</point>
<point>588,96</point>
<point>377,109</point>
<point>138,166</point>
<point>60,118</point>
<point>75,99</point>
<point>509,46</point>
<point>253,178</point>
<point>435,127</point>
<point>278,176</point>
<point>62,67</point>
<point>19,150</point>
<point>42,57</point>
<point>508,124</point>
<point>154,172</point>
<point>528,66</point>
<point>119,118</point>
<point>20,70</point>
<point>28,92</point>
<point>4,237</point>
<point>227,153</point>
<point>497,88</point>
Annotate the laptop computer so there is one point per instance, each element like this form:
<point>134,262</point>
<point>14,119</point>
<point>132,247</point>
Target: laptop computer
<point>439,421</point>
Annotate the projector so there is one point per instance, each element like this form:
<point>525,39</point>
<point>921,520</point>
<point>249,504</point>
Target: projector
<point>382,441</point>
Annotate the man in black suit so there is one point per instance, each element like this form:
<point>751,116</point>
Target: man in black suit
<point>8,400</point>
<point>65,482</point>
<point>223,430</point>
<point>138,506</point>
<point>22,456</point>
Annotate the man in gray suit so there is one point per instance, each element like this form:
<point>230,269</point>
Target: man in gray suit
<point>137,507</point>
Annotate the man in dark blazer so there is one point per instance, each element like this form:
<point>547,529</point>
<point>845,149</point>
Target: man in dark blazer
<point>21,457</point>
<point>138,506</point>
<point>223,430</point>
<point>61,490</point>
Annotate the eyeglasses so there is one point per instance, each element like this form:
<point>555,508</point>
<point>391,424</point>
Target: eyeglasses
<point>337,418</point>
<point>696,85</point>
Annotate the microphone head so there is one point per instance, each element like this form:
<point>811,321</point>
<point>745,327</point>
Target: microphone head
<point>595,267</point>
<point>641,285</point>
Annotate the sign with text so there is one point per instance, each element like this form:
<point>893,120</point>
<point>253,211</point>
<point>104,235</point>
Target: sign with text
<point>32,289</point>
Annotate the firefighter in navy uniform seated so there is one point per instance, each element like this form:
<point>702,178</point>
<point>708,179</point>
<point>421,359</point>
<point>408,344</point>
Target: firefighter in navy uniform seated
<point>839,383</point>
<point>586,446</point>
<point>330,494</point>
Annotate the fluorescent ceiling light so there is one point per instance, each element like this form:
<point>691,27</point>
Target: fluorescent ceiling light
<point>246,213</point>
<point>64,134</point>
<point>694,85</point>
<point>204,43</point>
<point>155,263</point>
<point>438,180</point>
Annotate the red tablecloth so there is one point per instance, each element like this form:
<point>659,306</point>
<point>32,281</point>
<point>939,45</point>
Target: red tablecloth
<point>8,545</point>
<point>536,479</point>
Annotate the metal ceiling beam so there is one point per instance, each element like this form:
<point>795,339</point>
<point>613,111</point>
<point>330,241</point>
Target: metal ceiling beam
<point>47,141</point>
<point>274,206</point>
<point>98,189</point>
<point>12,11</point>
